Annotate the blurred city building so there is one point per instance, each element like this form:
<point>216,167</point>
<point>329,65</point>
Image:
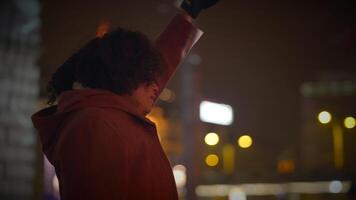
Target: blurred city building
<point>327,147</point>
<point>20,175</point>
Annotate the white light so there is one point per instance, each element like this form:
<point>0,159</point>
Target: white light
<point>216,113</point>
<point>180,175</point>
<point>335,186</point>
<point>324,117</point>
<point>212,190</point>
<point>265,189</point>
<point>237,194</point>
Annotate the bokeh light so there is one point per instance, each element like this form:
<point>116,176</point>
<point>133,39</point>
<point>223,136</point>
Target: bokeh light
<point>180,175</point>
<point>349,122</point>
<point>212,160</point>
<point>211,139</point>
<point>167,95</point>
<point>335,186</point>
<point>324,117</point>
<point>245,141</point>
<point>216,113</point>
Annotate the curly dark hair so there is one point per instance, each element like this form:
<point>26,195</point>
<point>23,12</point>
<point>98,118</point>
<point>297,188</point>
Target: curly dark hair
<point>119,61</point>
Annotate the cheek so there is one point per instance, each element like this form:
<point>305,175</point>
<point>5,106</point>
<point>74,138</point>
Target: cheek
<point>144,98</point>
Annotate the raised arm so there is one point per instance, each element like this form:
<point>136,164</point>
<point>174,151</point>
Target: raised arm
<point>174,44</point>
<point>179,37</point>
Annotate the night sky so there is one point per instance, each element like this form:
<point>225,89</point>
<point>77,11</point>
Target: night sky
<point>255,54</point>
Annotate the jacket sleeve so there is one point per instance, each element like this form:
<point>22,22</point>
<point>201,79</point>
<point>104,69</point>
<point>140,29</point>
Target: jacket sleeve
<point>174,43</point>
<point>92,161</point>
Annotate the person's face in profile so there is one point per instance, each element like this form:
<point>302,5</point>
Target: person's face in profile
<point>144,97</point>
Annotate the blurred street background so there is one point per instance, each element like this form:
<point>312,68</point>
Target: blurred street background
<point>264,106</point>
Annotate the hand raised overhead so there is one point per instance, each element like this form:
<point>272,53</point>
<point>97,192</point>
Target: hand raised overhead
<point>194,7</point>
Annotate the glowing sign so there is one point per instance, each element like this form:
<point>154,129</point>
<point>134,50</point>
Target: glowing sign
<point>216,113</point>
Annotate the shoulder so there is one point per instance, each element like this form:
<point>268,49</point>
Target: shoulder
<point>89,126</point>
<point>97,119</point>
<point>88,117</point>
<point>98,115</point>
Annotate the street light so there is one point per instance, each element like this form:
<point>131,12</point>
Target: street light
<point>325,117</point>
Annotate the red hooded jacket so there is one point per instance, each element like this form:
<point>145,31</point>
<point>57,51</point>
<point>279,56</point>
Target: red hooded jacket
<point>101,147</point>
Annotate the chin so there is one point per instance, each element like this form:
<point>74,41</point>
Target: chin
<point>147,111</point>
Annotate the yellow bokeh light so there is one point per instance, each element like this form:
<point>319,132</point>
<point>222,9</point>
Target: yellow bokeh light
<point>211,139</point>
<point>324,117</point>
<point>167,95</point>
<point>350,122</point>
<point>245,141</point>
<point>212,160</point>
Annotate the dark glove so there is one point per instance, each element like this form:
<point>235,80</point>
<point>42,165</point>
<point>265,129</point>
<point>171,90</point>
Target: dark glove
<point>193,7</point>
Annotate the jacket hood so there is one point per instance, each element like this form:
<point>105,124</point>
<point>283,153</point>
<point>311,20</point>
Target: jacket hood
<point>48,120</point>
